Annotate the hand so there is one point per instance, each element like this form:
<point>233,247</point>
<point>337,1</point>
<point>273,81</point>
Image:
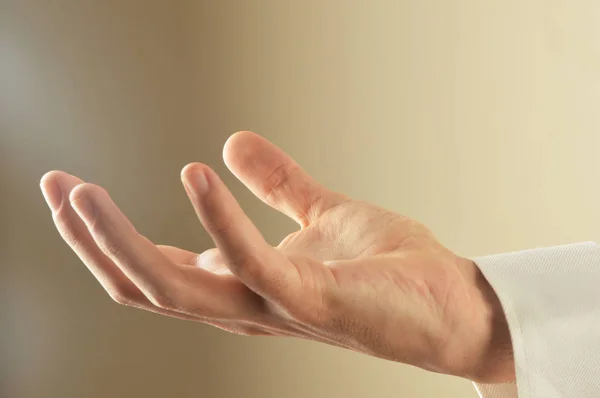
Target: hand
<point>354,275</point>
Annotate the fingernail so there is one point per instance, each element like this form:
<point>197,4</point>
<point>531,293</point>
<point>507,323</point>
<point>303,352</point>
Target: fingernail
<point>84,208</point>
<point>197,182</point>
<point>53,194</point>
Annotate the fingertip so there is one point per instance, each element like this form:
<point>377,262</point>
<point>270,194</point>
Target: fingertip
<point>235,145</point>
<point>52,189</point>
<point>81,201</point>
<point>239,135</point>
<point>51,176</point>
<point>56,185</point>
<point>191,168</point>
<point>195,178</point>
<point>85,190</point>
<point>65,180</point>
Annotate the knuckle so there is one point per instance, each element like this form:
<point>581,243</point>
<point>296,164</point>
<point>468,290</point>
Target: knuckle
<point>248,265</point>
<point>220,220</point>
<point>111,248</point>
<point>314,203</point>
<point>162,300</point>
<point>222,224</point>
<point>279,179</point>
<point>169,298</point>
<point>310,208</point>
<point>70,236</point>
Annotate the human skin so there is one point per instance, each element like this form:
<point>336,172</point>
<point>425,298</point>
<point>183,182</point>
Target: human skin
<point>354,275</point>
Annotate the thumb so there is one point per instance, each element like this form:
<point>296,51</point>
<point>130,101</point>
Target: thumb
<point>276,179</point>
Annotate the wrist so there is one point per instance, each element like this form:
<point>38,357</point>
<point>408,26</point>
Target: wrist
<point>492,358</point>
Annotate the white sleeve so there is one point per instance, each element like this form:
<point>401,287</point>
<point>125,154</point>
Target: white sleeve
<point>551,299</point>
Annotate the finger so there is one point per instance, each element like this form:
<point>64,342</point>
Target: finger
<point>191,291</point>
<point>56,187</point>
<point>246,253</point>
<point>209,260</point>
<point>242,330</point>
<point>179,256</point>
<point>275,178</point>
<point>117,238</point>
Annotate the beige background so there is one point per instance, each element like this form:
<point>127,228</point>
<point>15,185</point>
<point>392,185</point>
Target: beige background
<point>480,119</point>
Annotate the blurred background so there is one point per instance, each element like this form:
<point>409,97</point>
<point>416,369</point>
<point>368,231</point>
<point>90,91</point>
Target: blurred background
<point>479,119</point>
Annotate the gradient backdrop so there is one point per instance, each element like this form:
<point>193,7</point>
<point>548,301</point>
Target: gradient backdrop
<point>480,119</point>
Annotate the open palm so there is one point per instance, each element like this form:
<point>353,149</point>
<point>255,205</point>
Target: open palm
<point>354,275</point>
